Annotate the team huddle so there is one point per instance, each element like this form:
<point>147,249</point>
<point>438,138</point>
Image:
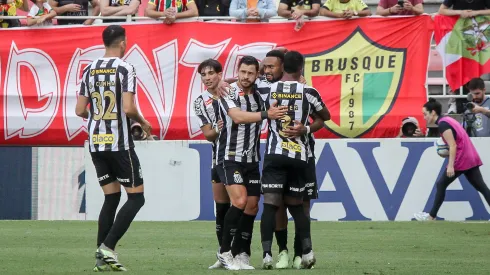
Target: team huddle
<point>231,118</point>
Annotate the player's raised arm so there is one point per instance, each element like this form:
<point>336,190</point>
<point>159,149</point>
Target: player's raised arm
<point>84,97</point>
<point>209,129</point>
<point>232,108</point>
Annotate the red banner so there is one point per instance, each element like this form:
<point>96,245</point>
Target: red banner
<point>371,73</point>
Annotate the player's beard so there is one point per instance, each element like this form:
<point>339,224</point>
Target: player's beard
<point>245,84</point>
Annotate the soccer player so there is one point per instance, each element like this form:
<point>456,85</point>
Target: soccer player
<point>463,157</point>
<point>206,108</point>
<point>272,67</point>
<point>109,85</point>
<point>286,159</point>
<point>238,162</point>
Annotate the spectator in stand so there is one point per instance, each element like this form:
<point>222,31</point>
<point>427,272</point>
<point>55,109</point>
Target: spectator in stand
<point>75,8</point>
<point>213,7</point>
<point>465,9</point>
<point>345,9</point>
<point>295,9</point>
<point>171,9</point>
<point>43,9</point>
<point>118,8</point>
<point>391,7</point>
<point>264,9</point>
<point>9,8</point>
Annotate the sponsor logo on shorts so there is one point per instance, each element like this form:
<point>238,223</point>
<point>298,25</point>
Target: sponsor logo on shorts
<point>106,176</point>
<point>141,173</point>
<point>254,181</point>
<point>237,177</point>
<point>291,146</point>
<point>103,71</point>
<point>310,192</point>
<point>103,139</point>
<point>309,184</point>
<point>296,189</point>
<point>274,185</point>
<point>123,180</point>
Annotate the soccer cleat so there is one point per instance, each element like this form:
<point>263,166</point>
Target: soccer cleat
<point>297,262</point>
<point>227,260</point>
<point>110,259</point>
<point>216,265</point>
<point>101,266</point>
<point>308,260</point>
<point>267,262</point>
<point>243,260</point>
<point>282,260</point>
<point>422,216</point>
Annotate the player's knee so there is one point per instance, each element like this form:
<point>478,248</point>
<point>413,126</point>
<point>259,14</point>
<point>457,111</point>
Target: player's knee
<point>273,199</point>
<point>252,208</point>
<point>138,199</point>
<point>240,202</point>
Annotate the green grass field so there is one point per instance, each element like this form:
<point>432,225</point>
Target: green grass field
<point>67,247</point>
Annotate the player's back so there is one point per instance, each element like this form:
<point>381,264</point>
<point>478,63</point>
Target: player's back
<point>106,79</point>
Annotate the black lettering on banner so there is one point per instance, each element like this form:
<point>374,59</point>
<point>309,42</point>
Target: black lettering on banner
<point>356,77</point>
<point>342,64</point>
<point>351,114</point>
<point>315,66</point>
<point>351,124</point>
<point>108,114</point>
<point>366,63</point>
<point>379,62</point>
<point>351,102</point>
<point>328,65</point>
<point>347,78</point>
<point>391,62</point>
<point>352,91</point>
<point>354,63</point>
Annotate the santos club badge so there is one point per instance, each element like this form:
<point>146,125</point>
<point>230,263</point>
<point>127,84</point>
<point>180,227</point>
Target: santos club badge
<point>358,80</point>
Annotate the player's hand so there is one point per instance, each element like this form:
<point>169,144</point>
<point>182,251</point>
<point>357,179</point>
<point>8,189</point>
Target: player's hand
<point>276,112</point>
<point>146,126</point>
<point>223,89</point>
<point>295,131</point>
<point>450,171</point>
<point>220,125</point>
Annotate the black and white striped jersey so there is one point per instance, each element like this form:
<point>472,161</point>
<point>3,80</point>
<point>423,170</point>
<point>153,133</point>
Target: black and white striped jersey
<point>206,108</point>
<point>239,142</point>
<point>301,100</point>
<point>104,82</point>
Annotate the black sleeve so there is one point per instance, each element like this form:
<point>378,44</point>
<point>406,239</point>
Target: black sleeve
<point>450,3</point>
<point>443,126</point>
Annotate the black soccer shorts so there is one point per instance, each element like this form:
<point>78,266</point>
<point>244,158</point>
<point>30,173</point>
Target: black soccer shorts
<point>282,174</point>
<point>214,176</point>
<point>311,187</point>
<point>248,174</point>
<point>123,166</point>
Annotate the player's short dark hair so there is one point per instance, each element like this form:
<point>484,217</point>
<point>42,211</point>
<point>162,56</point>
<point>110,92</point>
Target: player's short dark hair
<point>113,34</point>
<point>476,84</point>
<point>249,60</point>
<point>276,53</point>
<point>433,105</point>
<point>210,63</point>
<point>293,62</point>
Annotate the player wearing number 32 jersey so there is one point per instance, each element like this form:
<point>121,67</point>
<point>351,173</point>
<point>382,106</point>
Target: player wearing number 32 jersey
<point>109,85</point>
